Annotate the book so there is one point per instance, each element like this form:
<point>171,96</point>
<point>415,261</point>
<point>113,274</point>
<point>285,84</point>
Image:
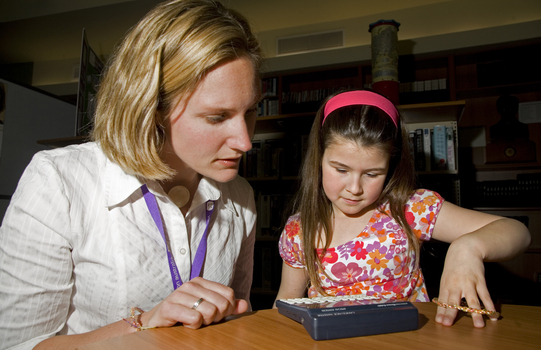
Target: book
<point>268,107</point>
<point>451,164</point>
<point>427,147</point>
<point>442,84</point>
<point>440,147</point>
<point>411,139</point>
<point>419,150</point>
<point>269,87</point>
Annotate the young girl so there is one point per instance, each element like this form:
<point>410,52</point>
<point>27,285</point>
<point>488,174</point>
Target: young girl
<point>359,222</point>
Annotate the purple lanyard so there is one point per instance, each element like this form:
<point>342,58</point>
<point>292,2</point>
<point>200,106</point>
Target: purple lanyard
<point>152,205</point>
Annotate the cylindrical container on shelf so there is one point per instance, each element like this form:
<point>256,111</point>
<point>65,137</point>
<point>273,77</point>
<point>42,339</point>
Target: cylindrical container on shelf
<point>385,58</point>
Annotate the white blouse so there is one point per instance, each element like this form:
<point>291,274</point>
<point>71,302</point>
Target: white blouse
<point>79,248</point>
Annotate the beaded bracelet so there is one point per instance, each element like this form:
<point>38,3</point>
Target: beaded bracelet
<point>135,320</point>
<point>464,307</point>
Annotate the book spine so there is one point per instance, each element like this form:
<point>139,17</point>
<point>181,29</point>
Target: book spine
<point>440,147</point>
<point>427,142</point>
<point>411,139</point>
<point>419,150</point>
<point>451,163</point>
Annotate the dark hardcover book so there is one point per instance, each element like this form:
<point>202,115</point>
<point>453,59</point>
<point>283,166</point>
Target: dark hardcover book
<point>419,150</point>
<point>411,139</point>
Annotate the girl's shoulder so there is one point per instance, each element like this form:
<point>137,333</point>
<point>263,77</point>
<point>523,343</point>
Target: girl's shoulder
<point>425,196</point>
<point>293,226</point>
<point>422,211</point>
<point>420,196</point>
<point>424,201</point>
<point>295,217</point>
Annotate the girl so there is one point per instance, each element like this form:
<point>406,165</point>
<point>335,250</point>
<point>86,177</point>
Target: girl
<point>359,222</point>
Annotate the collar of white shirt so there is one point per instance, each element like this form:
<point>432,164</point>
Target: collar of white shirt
<point>121,186</point>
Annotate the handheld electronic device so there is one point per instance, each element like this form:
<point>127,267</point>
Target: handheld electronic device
<point>349,316</point>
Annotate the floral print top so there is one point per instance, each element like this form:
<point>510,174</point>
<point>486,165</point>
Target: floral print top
<point>376,263</point>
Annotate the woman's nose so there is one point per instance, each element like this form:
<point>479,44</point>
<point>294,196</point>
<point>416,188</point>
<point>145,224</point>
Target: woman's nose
<point>242,135</point>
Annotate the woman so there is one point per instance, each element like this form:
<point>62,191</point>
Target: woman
<point>151,216</point>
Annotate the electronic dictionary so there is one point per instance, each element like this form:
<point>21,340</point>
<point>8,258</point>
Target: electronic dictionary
<point>349,316</point>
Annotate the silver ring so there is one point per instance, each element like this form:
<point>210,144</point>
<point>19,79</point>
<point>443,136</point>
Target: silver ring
<point>197,303</point>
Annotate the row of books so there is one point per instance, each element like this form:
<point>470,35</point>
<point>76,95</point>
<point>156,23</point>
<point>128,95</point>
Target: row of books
<point>423,85</point>
<point>271,209</point>
<point>268,107</point>
<point>269,89</point>
<point>314,95</point>
<point>433,148</point>
<point>268,157</point>
<point>265,159</point>
<point>522,192</point>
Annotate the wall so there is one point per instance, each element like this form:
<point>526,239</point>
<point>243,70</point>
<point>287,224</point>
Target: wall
<point>53,42</point>
<point>29,116</point>
<point>436,43</point>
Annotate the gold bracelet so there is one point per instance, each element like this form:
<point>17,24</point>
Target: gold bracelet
<point>135,320</point>
<point>466,308</point>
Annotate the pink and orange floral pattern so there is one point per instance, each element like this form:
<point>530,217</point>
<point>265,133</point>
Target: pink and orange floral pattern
<point>376,263</point>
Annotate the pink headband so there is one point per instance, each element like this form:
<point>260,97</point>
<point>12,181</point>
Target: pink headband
<point>369,98</point>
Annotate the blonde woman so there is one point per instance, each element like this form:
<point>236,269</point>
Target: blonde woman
<point>149,225</point>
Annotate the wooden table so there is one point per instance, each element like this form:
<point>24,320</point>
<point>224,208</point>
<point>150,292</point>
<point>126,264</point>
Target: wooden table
<point>518,328</point>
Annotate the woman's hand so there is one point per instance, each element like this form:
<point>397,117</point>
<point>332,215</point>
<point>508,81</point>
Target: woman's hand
<point>463,277</point>
<point>218,302</point>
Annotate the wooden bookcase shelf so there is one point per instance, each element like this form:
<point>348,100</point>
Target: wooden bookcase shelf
<point>432,111</point>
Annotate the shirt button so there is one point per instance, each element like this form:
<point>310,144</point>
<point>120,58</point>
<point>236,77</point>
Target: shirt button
<point>182,251</point>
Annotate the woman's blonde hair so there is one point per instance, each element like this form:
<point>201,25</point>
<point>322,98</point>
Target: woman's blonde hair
<point>162,60</point>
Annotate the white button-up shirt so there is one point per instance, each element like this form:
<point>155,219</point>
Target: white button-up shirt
<point>79,248</point>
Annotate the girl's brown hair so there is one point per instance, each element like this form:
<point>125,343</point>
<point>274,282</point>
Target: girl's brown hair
<point>367,126</point>
<point>161,61</point>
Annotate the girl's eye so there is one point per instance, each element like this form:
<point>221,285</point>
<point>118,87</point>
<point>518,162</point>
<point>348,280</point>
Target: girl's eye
<point>341,171</point>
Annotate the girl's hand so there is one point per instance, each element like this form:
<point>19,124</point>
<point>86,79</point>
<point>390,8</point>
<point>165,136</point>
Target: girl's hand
<point>463,277</point>
<point>218,302</point>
